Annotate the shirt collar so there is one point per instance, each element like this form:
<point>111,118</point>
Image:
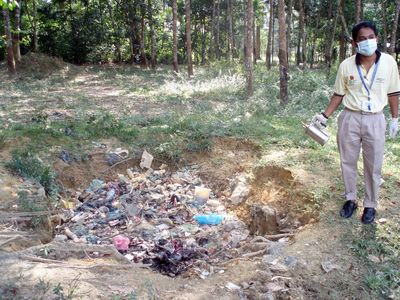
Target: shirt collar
<point>358,58</point>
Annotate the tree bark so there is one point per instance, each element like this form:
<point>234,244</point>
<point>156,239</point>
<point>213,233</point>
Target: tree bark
<point>143,59</point>
<point>393,40</point>
<point>358,11</point>
<point>258,41</point>
<point>330,40</point>
<point>115,37</point>
<point>289,26</point>
<point>270,34</point>
<point>153,59</point>
<point>213,34</point>
<point>249,47</point>
<point>217,36</point>
<point>230,30</point>
<point>283,57</point>
<point>384,25</point>
<point>188,38</point>
<point>174,36</point>
<point>300,54</point>
<point>16,32</point>
<point>10,53</point>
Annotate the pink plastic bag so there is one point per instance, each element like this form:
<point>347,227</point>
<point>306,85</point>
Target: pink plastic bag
<point>121,242</point>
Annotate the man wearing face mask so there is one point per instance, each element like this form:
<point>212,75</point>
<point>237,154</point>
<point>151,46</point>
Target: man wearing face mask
<point>365,84</point>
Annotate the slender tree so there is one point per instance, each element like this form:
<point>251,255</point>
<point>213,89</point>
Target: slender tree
<point>249,47</point>
<point>358,11</point>
<point>7,32</point>
<point>384,25</point>
<point>289,26</point>
<point>230,30</point>
<point>301,37</point>
<point>153,59</point>
<point>283,57</point>
<point>143,59</point>
<point>392,47</point>
<point>16,31</point>
<point>270,34</point>
<point>188,38</point>
<point>174,36</point>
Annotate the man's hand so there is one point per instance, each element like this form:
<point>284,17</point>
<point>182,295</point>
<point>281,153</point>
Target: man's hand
<point>320,118</point>
<point>393,127</point>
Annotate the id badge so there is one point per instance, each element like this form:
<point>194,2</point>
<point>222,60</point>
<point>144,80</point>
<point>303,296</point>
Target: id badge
<point>368,106</point>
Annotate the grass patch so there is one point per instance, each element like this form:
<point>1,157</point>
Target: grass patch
<point>29,165</point>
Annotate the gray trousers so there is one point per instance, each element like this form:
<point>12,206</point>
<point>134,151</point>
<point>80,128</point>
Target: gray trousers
<point>367,132</point>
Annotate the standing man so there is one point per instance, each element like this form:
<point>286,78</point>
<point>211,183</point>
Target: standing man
<point>365,84</point>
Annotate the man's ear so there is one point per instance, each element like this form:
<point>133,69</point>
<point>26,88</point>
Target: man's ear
<point>353,43</point>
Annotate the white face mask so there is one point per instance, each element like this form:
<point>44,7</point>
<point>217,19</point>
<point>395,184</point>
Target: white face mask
<point>367,47</point>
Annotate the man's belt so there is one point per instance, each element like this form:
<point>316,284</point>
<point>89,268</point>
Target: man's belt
<point>363,112</point>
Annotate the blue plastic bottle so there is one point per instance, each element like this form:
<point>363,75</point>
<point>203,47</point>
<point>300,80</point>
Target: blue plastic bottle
<point>212,219</point>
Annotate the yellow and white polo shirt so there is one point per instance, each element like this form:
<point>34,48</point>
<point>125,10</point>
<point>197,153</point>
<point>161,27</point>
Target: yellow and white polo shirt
<point>349,84</point>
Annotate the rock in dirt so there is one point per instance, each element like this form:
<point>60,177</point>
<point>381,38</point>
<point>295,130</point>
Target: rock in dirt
<point>263,219</point>
<point>232,287</point>
<point>328,266</point>
<point>240,193</point>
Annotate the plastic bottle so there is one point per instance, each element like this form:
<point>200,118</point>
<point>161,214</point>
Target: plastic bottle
<point>212,219</point>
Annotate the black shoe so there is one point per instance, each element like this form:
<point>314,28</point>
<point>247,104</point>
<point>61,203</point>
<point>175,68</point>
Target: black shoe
<point>348,208</point>
<point>368,215</point>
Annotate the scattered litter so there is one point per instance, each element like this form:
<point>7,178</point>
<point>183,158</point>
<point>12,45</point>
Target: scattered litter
<point>212,219</point>
<point>374,259</point>
<point>328,266</point>
<point>146,160</point>
<point>232,287</point>
<point>121,243</point>
<point>167,220</point>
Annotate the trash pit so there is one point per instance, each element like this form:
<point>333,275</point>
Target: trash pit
<point>275,202</point>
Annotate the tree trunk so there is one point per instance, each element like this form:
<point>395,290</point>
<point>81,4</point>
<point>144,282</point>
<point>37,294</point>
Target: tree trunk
<point>394,29</point>
<point>217,36</point>
<point>330,40</point>
<point>345,31</point>
<point>230,30</point>
<point>283,57</point>
<point>35,28</point>
<point>268,53</point>
<point>258,42</point>
<point>153,59</point>
<point>289,26</point>
<point>253,29</point>
<point>203,42</point>
<point>115,37</point>
<point>300,55</point>
<point>143,59</point>
<point>16,32</point>
<point>213,34</point>
<point>384,25</point>
<point>249,47</point>
<point>174,36</point>
<point>304,42</point>
<point>10,52</point>
<point>188,39</point>
<point>358,11</point>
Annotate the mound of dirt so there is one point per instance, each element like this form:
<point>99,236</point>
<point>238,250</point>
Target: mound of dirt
<point>40,65</point>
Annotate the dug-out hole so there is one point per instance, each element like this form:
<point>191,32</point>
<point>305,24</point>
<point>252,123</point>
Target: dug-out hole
<point>276,203</point>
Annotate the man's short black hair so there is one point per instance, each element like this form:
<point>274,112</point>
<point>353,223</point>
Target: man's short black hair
<point>359,26</point>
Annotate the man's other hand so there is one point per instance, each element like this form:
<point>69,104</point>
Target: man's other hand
<point>393,127</point>
<point>320,118</point>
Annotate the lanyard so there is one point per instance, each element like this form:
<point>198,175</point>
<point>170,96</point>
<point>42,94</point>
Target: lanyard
<point>372,81</point>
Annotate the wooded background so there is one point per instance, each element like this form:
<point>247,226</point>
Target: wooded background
<point>307,33</point>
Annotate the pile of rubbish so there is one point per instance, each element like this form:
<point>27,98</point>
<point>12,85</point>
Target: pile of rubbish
<point>167,220</point>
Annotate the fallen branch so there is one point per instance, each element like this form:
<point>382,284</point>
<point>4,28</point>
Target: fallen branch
<point>252,254</point>
<point>278,236</point>
<point>117,163</point>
